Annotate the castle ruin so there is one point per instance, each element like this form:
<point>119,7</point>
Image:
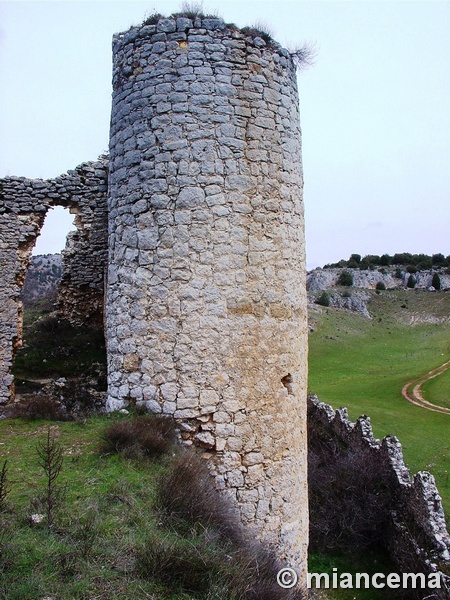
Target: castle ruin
<point>204,264</point>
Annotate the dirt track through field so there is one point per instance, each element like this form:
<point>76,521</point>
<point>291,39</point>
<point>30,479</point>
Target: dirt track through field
<point>412,390</point>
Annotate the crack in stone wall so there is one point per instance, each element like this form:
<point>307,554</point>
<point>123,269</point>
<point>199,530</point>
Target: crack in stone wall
<point>24,204</point>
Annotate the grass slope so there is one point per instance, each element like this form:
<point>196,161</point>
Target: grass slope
<point>437,390</point>
<point>363,364</point>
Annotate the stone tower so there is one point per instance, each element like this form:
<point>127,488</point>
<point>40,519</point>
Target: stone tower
<point>206,301</point>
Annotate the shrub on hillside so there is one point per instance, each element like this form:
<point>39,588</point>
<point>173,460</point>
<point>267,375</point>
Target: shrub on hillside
<point>345,278</point>
<point>222,562</point>
<point>349,494</point>
<point>187,494</point>
<point>36,407</point>
<point>438,259</point>
<point>323,299</point>
<point>411,283</point>
<point>146,436</point>
<point>214,572</point>
<point>436,281</point>
<point>380,286</point>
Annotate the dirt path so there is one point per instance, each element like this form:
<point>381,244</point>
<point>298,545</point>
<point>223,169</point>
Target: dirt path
<point>412,390</point>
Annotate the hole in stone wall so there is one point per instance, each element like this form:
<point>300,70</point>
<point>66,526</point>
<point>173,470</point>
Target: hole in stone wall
<point>61,364</point>
<point>52,239</point>
<point>44,272</point>
<point>288,382</point>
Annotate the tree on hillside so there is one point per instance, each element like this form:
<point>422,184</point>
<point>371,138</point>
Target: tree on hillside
<point>323,299</point>
<point>411,283</point>
<point>438,259</point>
<point>345,278</point>
<point>436,282</point>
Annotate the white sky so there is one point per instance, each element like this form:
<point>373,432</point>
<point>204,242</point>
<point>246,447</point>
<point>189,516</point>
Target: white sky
<point>375,108</point>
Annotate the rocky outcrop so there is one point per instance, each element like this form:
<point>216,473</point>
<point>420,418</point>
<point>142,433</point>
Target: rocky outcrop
<point>324,279</point>
<point>42,279</point>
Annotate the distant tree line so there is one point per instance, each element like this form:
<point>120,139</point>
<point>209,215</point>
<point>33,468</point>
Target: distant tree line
<point>411,262</point>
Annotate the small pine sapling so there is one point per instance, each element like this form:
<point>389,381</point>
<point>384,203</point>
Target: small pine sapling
<point>51,460</point>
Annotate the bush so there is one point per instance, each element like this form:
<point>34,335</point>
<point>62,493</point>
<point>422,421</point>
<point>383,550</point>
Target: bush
<point>187,494</point>
<point>380,286</point>
<point>411,269</point>
<point>345,278</point>
<point>246,572</point>
<point>438,259</point>
<point>350,494</point>
<point>323,299</point>
<point>436,281</point>
<point>147,436</point>
<point>411,283</point>
<point>36,407</point>
<point>221,562</point>
<point>152,19</point>
<point>55,348</point>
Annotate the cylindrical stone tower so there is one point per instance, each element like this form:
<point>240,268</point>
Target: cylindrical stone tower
<point>206,301</point>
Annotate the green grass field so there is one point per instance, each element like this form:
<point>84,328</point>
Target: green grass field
<point>437,390</point>
<point>363,364</point>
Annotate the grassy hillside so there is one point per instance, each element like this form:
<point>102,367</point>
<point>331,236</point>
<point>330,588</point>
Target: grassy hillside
<point>146,522</point>
<point>438,390</point>
<point>363,364</point>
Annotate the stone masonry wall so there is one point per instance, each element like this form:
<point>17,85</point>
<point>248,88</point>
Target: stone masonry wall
<point>206,303</point>
<point>23,206</point>
<point>418,540</point>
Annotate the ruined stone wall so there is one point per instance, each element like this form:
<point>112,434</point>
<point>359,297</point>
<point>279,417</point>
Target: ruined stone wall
<point>23,206</point>
<point>418,540</point>
<point>206,302</point>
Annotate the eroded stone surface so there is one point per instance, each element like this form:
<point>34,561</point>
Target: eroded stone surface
<point>206,303</point>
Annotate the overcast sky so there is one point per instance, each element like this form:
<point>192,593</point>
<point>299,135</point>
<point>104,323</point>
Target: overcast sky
<point>375,108</point>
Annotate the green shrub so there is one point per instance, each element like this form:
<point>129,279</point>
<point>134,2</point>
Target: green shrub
<point>436,281</point>
<point>345,278</point>
<point>411,269</point>
<point>438,259</point>
<point>323,299</point>
<point>411,283</point>
<point>380,286</point>
<point>152,19</point>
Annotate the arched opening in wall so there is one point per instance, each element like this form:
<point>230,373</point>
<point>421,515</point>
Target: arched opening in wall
<point>44,271</point>
<point>60,370</point>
